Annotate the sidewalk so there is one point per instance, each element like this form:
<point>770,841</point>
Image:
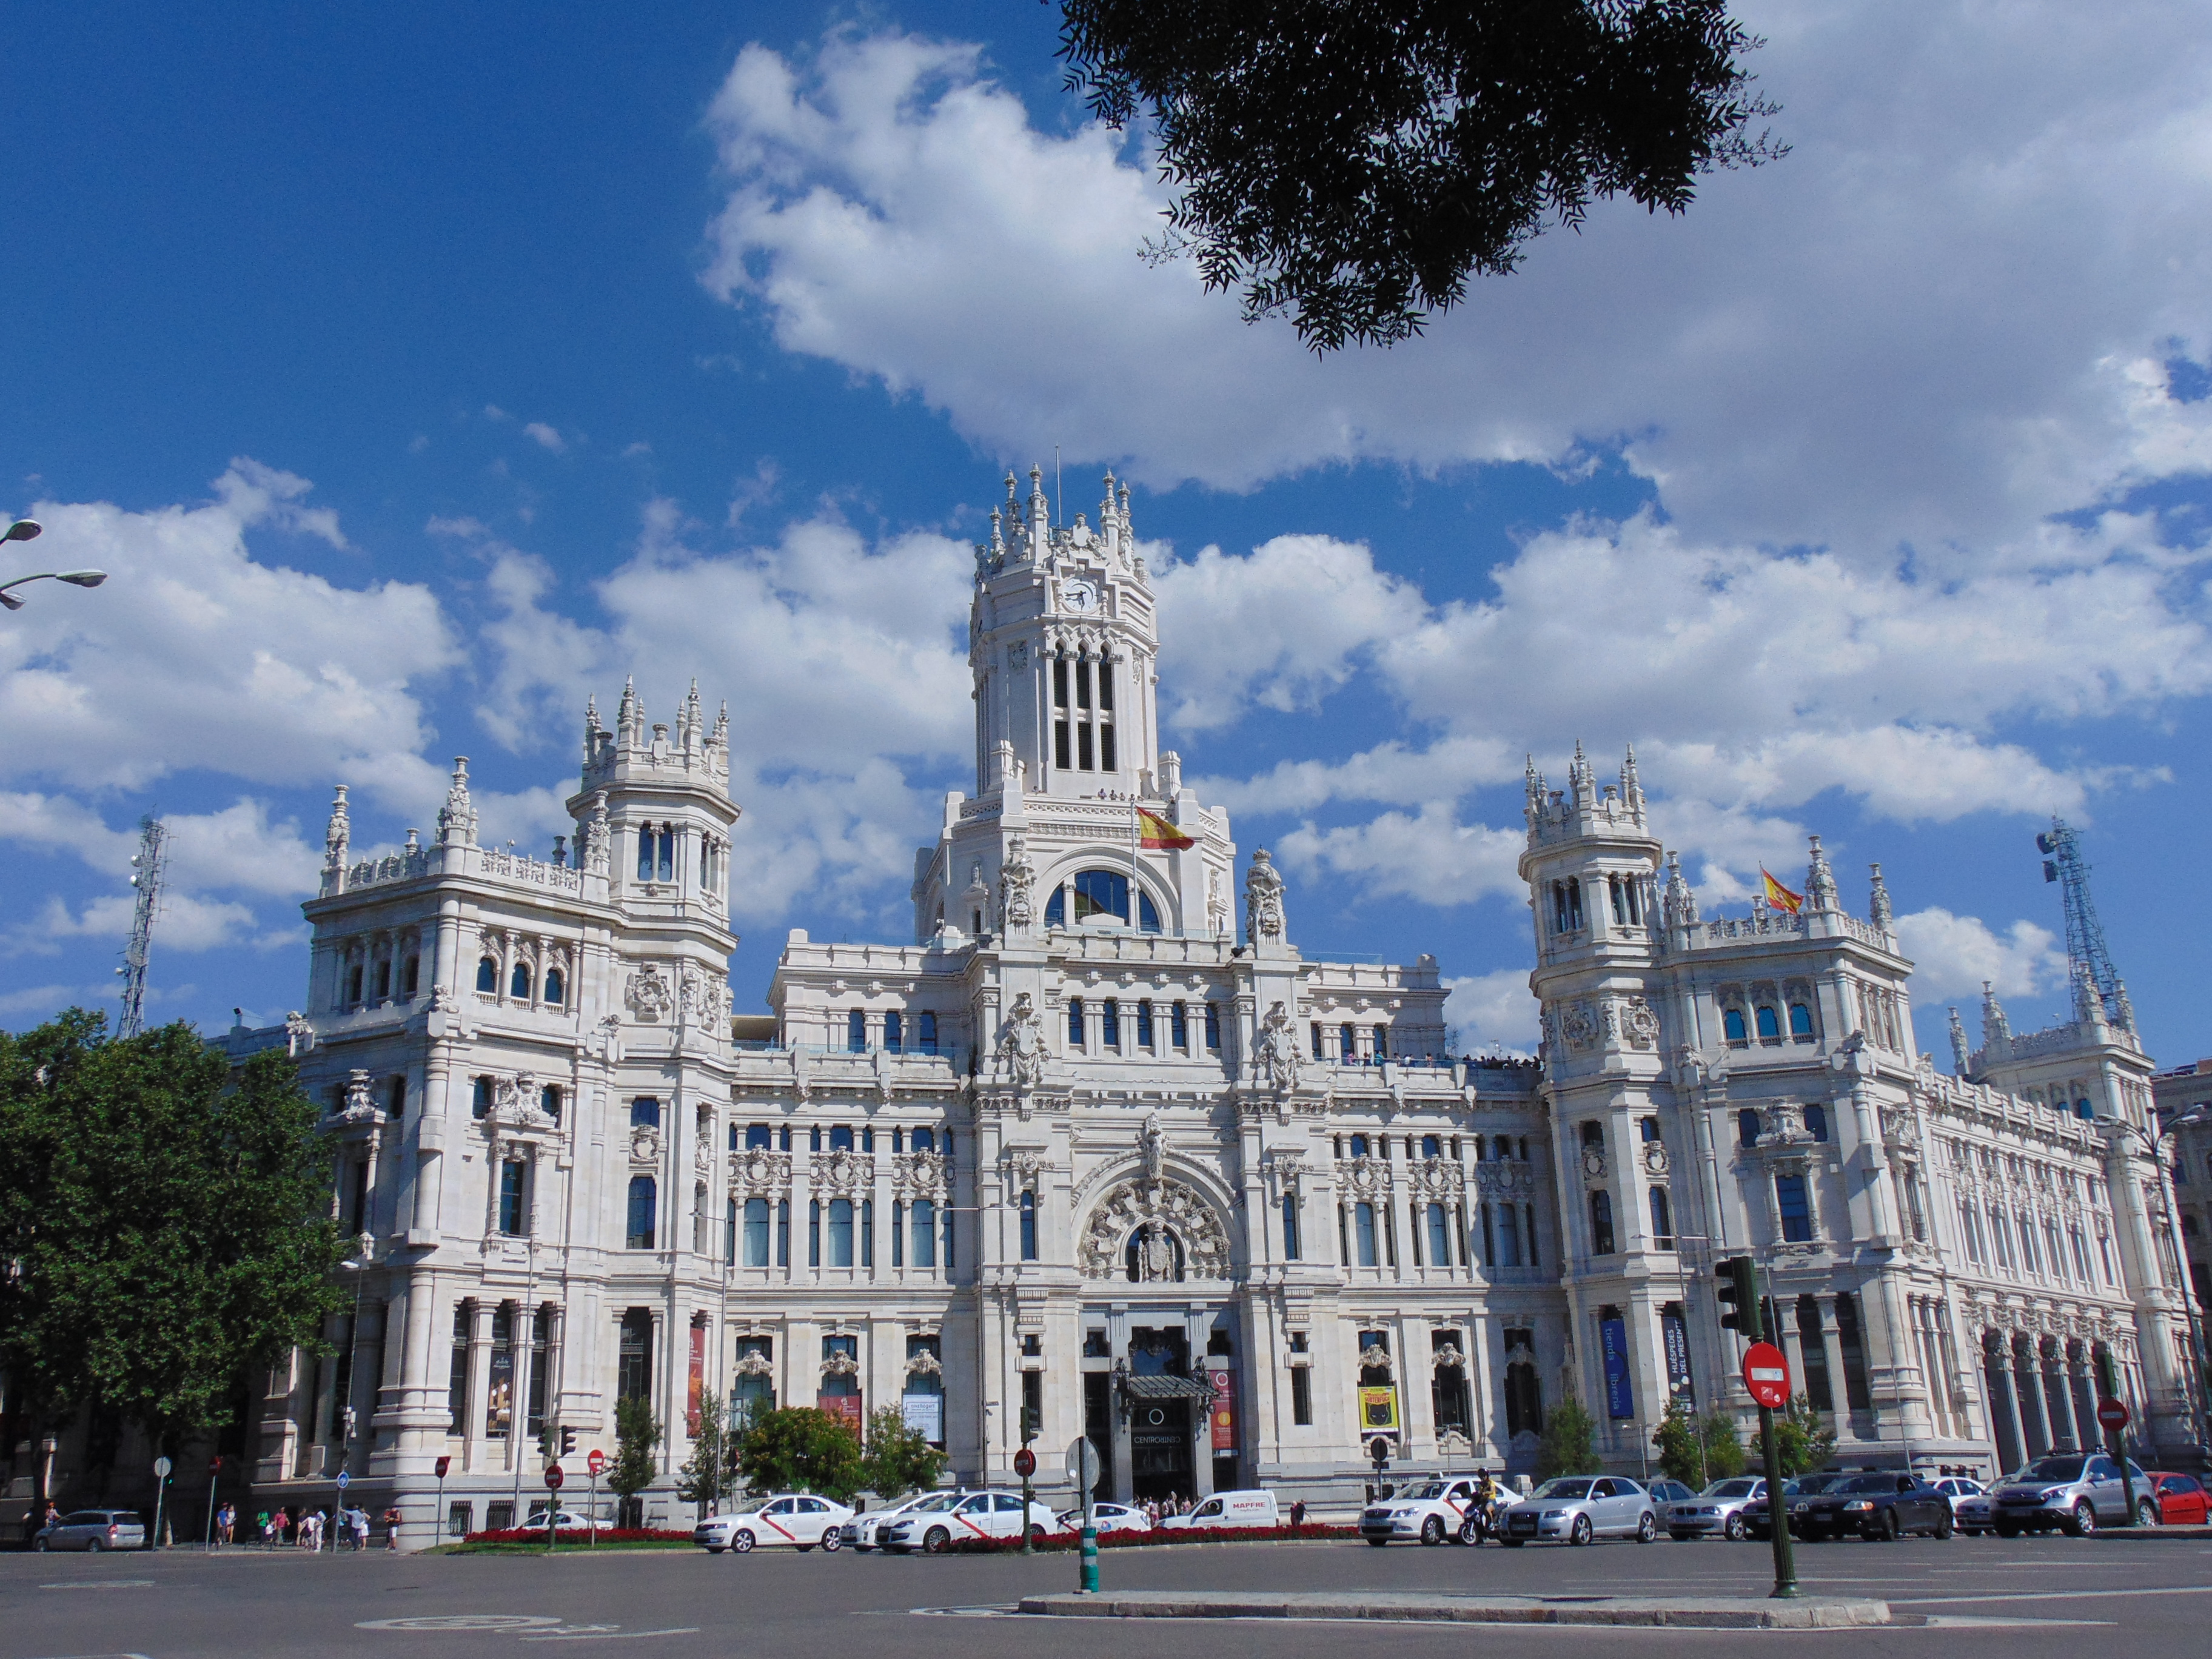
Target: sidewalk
<point>1680,1612</point>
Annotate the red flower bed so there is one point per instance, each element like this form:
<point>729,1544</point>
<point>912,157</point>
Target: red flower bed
<point>582,1535</point>
<point>1124,1540</point>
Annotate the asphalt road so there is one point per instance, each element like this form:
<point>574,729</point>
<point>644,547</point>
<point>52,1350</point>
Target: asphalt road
<point>1980,1597</point>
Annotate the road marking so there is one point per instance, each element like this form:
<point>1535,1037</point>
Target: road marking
<point>105,1583</point>
<point>596,1634</point>
<point>2048,1595</point>
<point>1968,1621</point>
<point>451,1621</point>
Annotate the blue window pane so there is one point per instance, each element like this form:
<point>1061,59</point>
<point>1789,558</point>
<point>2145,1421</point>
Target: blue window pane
<point>840,1138</point>
<point>924,1141</point>
<point>645,1113</point>
<point>1144,1026</point>
<point>1101,893</point>
<point>488,976</point>
<point>758,1135</point>
<point>557,987</point>
<point>1179,1026</point>
<point>895,1032</point>
<point>756,1232</point>
<point>856,1031</point>
<point>1439,1237</point>
<point>1213,1026</point>
<point>1109,1024</point>
<point>1662,1222</point>
<point>1816,1121</point>
<point>1801,1020</point>
<point>1029,1227</point>
<point>1769,1026</point>
<point>1148,914</point>
<point>923,1253</point>
<point>480,1099</point>
<point>924,1035</point>
<point>641,1216</point>
<point>1732,1023</point>
<point>1797,1211</point>
<point>1747,1128</point>
<point>1600,1209</point>
<point>1363,1224</point>
<point>518,982</point>
<point>1075,1022</point>
<point>1055,908</point>
<point>841,1232</point>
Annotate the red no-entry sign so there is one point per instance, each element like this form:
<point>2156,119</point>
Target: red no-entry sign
<point>596,1462</point>
<point>2112,1413</point>
<point>554,1477</point>
<point>1766,1374</point>
<point>1026,1462</point>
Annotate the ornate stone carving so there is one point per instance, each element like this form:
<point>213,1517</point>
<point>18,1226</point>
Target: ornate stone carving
<point>456,818</point>
<point>1275,1059</point>
<point>761,1172</point>
<point>1167,1207</point>
<point>704,1001</point>
<point>1594,1162</point>
<point>838,1362</point>
<point>1365,1176</point>
<point>1153,1138</point>
<point>1025,1168</point>
<point>299,1035</point>
<point>844,1172</point>
<point>360,1102</point>
<point>1578,1024</point>
<point>1448,1358</point>
<point>921,1174</point>
<point>1377,1358</point>
<point>1286,1173</point>
<point>1217,905</point>
<point>648,996</point>
<point>922,1363</point>
<point>645,1145</point>
<point>598,836</point>
<point>1504,1180</point>
<point>1656,1161</point>
<point>755,1364</point>
<point>1020,1053</point>
<point>1438,1178</point>
<point>1017,878</point>
<point>1263,899</point>
<point>1639,1026</point>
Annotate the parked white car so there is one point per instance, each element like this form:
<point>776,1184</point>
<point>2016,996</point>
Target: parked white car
<point>566,1519</point>
<point>1961,1491</point>
<point>866,1532</point>
<point>1575,1508</point>
<point>799,1519</point>
<point>1228,1508</point>
<point>1107,1517</point>
<point>945,1518</point>
<point>1429,1511</point>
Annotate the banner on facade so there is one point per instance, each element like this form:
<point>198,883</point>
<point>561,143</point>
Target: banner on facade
<point>1378,1410</point>
<point>1677,1336</point>
<point>847,1409</point>
<point>925,1415</point>
<point>499,1403</point>
<point>698,1380</point>
<point>1612,1339</point>
<point>1224,1411</point>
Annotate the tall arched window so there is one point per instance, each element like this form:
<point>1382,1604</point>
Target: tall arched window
<point>1029,1227</point>
<point>1601,1212</point>
<point>1793,1204</point>
<point>1770,1027</point>
<point>856,1031</point>
<point>518,982</point>
<point>1732,1027</point>
<point>643,1204</point>
<point>488,976</point>
<point>1747,1128</point>
<point>480,1099</point>
<point>410,975</point>
<point>556,986</point>
<point>895,1032</point>
<point>1362,1227</point>
<point>1662,1221</point>
<point>1439,1236</point>
<point>925,1141</point>
<point>1800,1022</point>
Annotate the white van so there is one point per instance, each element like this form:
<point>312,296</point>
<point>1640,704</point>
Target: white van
<point>1229,1509</point>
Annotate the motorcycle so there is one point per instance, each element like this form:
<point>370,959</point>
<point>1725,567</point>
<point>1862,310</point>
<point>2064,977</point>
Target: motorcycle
<point>1483,1523</point>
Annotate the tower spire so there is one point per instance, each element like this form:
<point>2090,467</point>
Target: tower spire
<point>1878,910</point>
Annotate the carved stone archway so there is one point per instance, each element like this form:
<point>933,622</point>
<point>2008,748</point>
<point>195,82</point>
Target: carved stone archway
<point>1159,1209</point>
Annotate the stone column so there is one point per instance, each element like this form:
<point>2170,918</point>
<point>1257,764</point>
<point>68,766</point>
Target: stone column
<point>1832,1346</point>
<point>2060,1399</point>
<point>472,1426</point>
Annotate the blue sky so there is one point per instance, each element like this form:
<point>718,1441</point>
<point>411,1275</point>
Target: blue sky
<point>417,375</point>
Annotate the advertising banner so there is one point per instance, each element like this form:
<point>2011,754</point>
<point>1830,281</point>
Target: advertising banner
<point>1224,1410</point>
<point>1378,1410</point>
<point>925,1415</point>
<point>1677,1336</point>
<point>698,1379</point>
<point>846,1407</point>
<point>1620,1397</point>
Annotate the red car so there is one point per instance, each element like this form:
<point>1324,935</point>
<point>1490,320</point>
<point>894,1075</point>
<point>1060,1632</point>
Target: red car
<point>2182,1500</point>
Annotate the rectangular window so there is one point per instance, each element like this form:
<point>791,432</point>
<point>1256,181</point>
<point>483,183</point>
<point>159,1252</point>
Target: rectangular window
<point>923,1217</point>
<point>1083,747</point>
<point>1060,684</point>
<point>1083,685</point>
<point>1214,1027</point>
<point>1290,1226</point>
<point>1106,763</point>
<point>856,1032</point>
<point>783,1233</point>
<point>457,1379</point>
<point>1439,1236</point>
<point>813,1232</point>
<point>925,1034</point>
<point>1075,1022</point>
<point>1106,685</point>
<point>1791,1201</point>
<point>1302,1396</point>
<point>1109,1024</point>
<point>1413,1233</point>
<point>510,1196</point>
<point>1362,1222</point>
<point>841,1232</point>
<point>895,1032</point>
<point>644,1111</point>
<point>1529,1214</point>
<point>1059,746</point>
<point>1145,1026</point>
<point>1179,1027</point>
<point>867,1232</point>
<point>756,1232</point>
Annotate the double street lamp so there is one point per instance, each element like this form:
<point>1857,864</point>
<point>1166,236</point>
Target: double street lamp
<point>24,530</point>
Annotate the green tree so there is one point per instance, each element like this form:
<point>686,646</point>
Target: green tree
<point>637,1436</point>
<point>165,1223</point>
<point>1570,1442</point>
<point>710,1473</point>
<point>1350,165</point>
<point>1677,1441</point>
<point>1802,1442</point>
<point>1723,1443</point>
<point>800,1448</point>
<point>898,1460</point>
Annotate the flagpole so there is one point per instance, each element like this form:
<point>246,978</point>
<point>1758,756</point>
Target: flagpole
<point>1136,909</point>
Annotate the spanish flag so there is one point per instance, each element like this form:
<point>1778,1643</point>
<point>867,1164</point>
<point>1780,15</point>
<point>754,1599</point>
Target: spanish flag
<point>1779,896</point>
<point>1156,832</point>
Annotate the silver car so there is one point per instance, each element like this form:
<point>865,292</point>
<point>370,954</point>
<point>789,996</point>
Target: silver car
<point>2073,1489</point>
<point>94,1530</point>
<point>1718,1511</point>
<point>1575,1508</point>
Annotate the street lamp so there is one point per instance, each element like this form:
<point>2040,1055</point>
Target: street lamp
<point>24,530</point>
<point>2154,1137</point>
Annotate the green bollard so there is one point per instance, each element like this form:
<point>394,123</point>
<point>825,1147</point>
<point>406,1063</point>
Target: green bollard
<point>1090,1586</point>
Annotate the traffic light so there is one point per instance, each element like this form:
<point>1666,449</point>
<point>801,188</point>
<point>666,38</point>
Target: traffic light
<point>568,1442</point>
<point>1738,1293</point>
<point>1032,1422</point>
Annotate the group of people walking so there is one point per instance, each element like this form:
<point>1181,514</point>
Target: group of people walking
<point>307,1530</point>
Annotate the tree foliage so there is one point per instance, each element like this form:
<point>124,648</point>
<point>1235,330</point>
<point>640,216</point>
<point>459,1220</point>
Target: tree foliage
<point>637,1436</point>
<point>711,1472</point>
<point>1697,1451</point>
<point>1350,163</point>
<point>162,1229</point>
<point>801,1447</point>
<point>898,1459</point>
<point>1570,1442</point>
<point>1802,1442</point>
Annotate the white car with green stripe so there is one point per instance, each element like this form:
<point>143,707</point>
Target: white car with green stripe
<point>797,1518</point>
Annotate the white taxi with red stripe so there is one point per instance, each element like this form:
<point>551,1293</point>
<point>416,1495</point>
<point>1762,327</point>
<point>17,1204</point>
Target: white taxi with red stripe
<point>797,1518</point>
<point>1431,1511</point>
<point>947,1519</point>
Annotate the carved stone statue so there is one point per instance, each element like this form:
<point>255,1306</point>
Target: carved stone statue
<point>649,996</point>
<point>299,1035</point>
<point>1021,1051</point>
<point>456,818</point>
<point>1016,877</point>
<point>1263,899</point>
<point>1155,1254</point>
<point>1217,907</point>
<point>599,838</point>
<point>1275,1062</point>
<point>1156,1149</point>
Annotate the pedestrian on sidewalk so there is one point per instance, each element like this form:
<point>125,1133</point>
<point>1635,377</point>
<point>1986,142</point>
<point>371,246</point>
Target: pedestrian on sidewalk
<point>391,1528</point>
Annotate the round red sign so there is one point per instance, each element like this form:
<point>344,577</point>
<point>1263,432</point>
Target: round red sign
<point>596,1461</point>
<point>1026,1462</point>
<point>2112,1413</point>
<point>1766,1374</point>
<point>554,1477</point>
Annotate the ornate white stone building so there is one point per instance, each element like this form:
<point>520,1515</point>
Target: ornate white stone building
<point>1090,1151</point>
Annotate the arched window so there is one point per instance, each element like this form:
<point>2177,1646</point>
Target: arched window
<point>642,1202</point>
<point>395,1097</point>
<point>1110,1022</point>
<point>925,1032</point>
<point>518,982</point>
<point>1431,1146</point>
<point>923,1250</point>
<point>1800,1022</point>
<point>557,987</point>
<point>480,1099</point>
<point>1347,1044</point>
<point>756,1232</point>
<point>1816,1121</point>
<point>645,853</point>
<point>1290,1226</point>
<point>488,976</point>
<point>353,984</point>
<point>841,1137</point>
<point>1770,1027</point>
<point>1439,1237</point>
<point>1573,902</point>
<point>841,1232</point>
<point>1029,1227</point>
<point>856,1031</point>
<point>1733,1026</point>
<point>2085,1111</point>
<point>1506,1148</point>
<point>1747,1128</point>
<point>1055,908</point>
<point>1620,903</point>
<point>1600,1213</point>
<point>1662,1221</point>
<point>645,1113</point>
<point>758,1137</point>
<point>1075,1022</point>
<point>1214,1027</point>
<point>383,978</point>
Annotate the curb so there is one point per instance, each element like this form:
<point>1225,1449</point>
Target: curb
<point>1813,1612</point>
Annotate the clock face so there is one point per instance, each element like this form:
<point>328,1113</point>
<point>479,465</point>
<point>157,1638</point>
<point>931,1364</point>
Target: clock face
<point>1081,595</point>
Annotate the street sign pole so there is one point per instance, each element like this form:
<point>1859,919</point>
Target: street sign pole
<point>553,1479</point>
<point>161,1467</point>
<point>1084,1457</point>
<point>2112,1415</point>
<point>1766,1377</point>
<point>338,1508</point>
<point>1025,1466</point>
<point>214,1474</point>
<point>595,1463</point>
<point>438,1522</point>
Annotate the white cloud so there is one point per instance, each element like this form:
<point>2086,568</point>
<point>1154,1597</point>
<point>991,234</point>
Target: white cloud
<point>1817,353</point>
<point>1493,1009</point>
<point>545,437</point>
<point>1953,955</point>
<point>185,923</point>
<point>1429,856</point>
<point>195,655</point>
<point>1391,772</point>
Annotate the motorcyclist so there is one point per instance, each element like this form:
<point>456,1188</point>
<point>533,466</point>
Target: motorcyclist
<point>1486,1502</point>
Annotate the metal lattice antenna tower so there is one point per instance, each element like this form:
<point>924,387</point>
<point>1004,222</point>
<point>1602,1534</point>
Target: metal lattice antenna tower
<point>2088,961</point>
<point>146,864</point>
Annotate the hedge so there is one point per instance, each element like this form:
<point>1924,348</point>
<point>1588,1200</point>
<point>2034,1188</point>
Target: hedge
<point>1124,1540</point>
<point>581,1535</point>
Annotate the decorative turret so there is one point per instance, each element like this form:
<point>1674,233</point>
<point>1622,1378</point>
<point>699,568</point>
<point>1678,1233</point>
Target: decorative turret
<point>1583,809</point>
<point>1996,1029</point>
<point>1959,1059</point>
<point>1878,910</point>
<point>339,836</point>
<point>1681,902</point>
<point>1820,881</point>
<point>456,818</point>
<point>1265,926</point>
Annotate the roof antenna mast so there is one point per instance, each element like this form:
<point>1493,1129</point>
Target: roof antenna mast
<point>147,864</point>
<point>2088,961</point>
